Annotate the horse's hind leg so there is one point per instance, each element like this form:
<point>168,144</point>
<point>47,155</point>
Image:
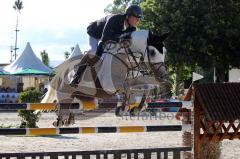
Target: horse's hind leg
<point>70,120</point>
<point>64,116</point>
<point>120,105</point>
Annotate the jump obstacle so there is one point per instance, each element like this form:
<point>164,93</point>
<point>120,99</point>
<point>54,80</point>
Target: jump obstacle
<point>87,130</point>
<point>85,106</point>
<point>79,130</point>
<point>216,112</point>
<point>174,152</point>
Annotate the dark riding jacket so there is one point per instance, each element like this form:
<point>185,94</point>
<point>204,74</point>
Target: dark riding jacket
<point>109,28</point>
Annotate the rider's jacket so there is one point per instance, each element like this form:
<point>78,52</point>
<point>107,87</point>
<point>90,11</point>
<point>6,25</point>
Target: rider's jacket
<point>109,27</point>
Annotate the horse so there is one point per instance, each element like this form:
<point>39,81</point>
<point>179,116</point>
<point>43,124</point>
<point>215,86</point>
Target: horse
<point>118,72</point>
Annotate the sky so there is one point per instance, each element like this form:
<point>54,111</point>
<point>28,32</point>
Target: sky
<point>51,25</point>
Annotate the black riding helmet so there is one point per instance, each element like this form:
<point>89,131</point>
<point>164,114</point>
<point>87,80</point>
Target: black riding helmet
<point>134,10</point>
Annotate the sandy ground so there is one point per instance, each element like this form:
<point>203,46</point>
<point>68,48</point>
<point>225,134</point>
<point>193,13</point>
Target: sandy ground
<point>230,149</point>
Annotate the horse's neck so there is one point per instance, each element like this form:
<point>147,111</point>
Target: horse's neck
<point>139,40</point>
<point>112,72</point>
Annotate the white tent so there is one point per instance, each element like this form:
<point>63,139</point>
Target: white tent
<point>76,52</point>
<point>27,60</point>
<point>2,72</point>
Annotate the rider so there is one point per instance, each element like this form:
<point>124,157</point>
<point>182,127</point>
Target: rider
<point>108,28</point>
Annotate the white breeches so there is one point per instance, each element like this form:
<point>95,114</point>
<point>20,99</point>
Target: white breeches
<point>93,45</point>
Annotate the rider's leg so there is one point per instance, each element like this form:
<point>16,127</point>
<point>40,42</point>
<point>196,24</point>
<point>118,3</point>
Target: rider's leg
<point>81,69</point>
<point>90,59</point>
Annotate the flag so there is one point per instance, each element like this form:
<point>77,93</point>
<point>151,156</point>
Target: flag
<point>196,76</point>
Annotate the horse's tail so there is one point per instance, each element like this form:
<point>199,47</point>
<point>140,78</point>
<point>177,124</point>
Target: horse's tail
<point>50,96</point>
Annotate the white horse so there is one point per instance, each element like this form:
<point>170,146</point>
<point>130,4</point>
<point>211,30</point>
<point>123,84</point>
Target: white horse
<point>118,72</point>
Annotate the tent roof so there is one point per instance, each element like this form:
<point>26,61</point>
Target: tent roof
<point>2,72</point>
<point>76,52</point>
<point>30,71</point>
<point>27,60</point>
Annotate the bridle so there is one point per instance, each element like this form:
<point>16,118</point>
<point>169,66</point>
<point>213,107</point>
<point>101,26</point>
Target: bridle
<point>151,64</point>
<point>134,66</point>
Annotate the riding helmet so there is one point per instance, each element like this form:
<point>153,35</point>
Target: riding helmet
<point>134,10</point>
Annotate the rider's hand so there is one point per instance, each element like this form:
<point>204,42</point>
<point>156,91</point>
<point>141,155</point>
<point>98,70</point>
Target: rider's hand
<point>130,30</point>
<point>125,36</point>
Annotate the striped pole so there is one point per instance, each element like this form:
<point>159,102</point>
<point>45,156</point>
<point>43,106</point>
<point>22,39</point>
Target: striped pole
<point>155,105</point>
<point>38,106</point>
<point>48,106</point>
<point>85,106</point>
<point>87,130</point>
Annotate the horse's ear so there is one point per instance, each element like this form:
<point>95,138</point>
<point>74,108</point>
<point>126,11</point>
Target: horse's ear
<point>164,35</point>
<point>154,39</point>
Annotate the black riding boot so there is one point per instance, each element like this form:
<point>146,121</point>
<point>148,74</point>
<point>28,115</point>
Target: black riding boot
<point>78,75</point>
<point>82,66</point>
<point>86,61</point>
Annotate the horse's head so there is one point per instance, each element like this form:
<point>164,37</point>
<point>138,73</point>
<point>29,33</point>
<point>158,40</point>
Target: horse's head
<point>147,48</point>
<point>144,43</point>
<point>157,41</point>
<point>152,48</point>
<point>156,54</point>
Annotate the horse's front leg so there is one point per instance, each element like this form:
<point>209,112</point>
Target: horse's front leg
<point>123,103</point>
<point>137,102</point>
<point>65,117</point>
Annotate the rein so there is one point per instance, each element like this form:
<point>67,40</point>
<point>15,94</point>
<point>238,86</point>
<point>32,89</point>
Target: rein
<point>128,52</point>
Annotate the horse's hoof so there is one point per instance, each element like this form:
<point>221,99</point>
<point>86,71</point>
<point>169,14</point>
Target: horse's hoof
<point>134,112</point>
<point>119,111</point>
<point>58,123</point>
<point>55,124</point>
<point>71,122</point>
<point>66,122</point>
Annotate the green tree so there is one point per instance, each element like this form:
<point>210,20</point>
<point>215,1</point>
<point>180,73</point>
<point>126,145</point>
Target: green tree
<point>119,6</point>
<point>45,58</point>
<point>224,33</point>
<point>18,6</point>
<point>29,117</point>
<point>175,16</point>
<point>202,34</point>
<point>66,55</point>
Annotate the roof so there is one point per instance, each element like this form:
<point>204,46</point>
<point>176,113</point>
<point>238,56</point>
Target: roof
<point>27,60</point>
<point>2,72</point>
<point>220,102</point>
<point>29,71</point>
<point>76,52</point>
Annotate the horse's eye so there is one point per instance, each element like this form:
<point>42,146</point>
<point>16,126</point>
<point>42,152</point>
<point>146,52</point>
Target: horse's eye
<point>152,53</point>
